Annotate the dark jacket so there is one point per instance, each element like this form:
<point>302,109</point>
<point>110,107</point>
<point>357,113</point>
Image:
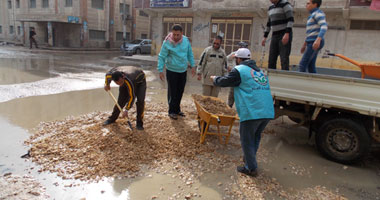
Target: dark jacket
<point>31,34</point>
<point>233,78</point>
<point>132,76</point>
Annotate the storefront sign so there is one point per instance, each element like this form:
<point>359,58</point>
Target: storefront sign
<point>72,19</point>
<point>169,3</point>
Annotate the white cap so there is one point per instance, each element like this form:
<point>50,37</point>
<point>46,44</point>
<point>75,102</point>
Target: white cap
<point>243,53</point>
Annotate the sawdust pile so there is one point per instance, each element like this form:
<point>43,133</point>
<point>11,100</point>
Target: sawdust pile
<point>81,148</point>
<point>214,106</point>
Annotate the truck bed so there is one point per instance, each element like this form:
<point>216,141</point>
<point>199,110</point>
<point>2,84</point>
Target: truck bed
<point>329,88</point>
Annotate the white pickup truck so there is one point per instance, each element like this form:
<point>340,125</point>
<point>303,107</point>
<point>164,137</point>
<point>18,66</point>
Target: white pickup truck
<point>342,109</point>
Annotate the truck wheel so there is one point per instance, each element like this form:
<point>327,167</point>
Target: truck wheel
<point>296,120</point>
<point>343,140</point>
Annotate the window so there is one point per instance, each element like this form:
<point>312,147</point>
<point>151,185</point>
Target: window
<point>126,8</point>
<point>364,25</point>
<point>1,29</point>
<point>45,3</point>
<point>11,31</point>
<point>185,22</point>
<point>232,30</point>
<point>119,36</point>
<point>17,3</point>
<point>98,4</point>
<point>143,14</point>
<point>144,36</point>
<point>127,36</point>
<point>69,3</point>
<point>97,35</point>
<point>18,30</point>
<point>9,4</point>
<point>32,3</point>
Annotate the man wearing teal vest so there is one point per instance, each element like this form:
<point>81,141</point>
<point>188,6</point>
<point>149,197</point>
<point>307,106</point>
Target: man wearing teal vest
<point>254,105</point>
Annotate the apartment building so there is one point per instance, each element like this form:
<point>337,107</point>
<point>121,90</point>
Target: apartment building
<point>72,23</point>
<point>354,29</point>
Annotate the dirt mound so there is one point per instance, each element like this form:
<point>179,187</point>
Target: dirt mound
<point>21,187</point>
<point>213,105</point>
<point>81,148</point>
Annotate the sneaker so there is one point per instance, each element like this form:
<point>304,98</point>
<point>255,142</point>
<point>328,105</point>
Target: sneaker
<point>173,116</point>
<point>181,114</point>
<point>108,122</point>
<point>140,128</point>
<point>243,170</point>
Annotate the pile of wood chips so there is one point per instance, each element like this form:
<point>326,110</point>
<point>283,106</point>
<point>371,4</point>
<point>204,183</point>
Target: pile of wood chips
<point>82,148</point>
<point>214,106</point>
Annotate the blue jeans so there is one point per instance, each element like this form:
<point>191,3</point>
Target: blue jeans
<point>309,58</point>
<point>250,136</point>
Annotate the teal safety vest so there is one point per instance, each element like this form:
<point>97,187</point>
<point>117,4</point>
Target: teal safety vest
<point>253,96</point>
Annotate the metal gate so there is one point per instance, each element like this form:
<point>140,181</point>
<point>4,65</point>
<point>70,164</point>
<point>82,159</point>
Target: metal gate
<point>233,31</point>
<point>185,22</point>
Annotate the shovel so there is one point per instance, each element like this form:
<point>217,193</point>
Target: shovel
<point>121,110</point>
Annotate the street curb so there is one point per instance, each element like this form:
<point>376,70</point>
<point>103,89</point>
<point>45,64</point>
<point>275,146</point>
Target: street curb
<point>81,49</point>
<point>131,58</point>
<point>53,50</point>
<point>141,59</point>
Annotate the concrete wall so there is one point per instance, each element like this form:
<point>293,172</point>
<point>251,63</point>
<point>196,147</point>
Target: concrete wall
<point>201,35</point>
<point>142,25</point>
<point>67,35</point>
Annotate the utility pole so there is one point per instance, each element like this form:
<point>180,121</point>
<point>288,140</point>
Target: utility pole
<point>124,22</point>
<point>133,15</point>
<point>107,19</point>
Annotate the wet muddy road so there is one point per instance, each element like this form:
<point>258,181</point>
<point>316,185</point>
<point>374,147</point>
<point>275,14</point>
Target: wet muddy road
<point>43,86</point>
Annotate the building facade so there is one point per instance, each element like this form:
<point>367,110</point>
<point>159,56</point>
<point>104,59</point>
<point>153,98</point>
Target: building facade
<point>353,27</point>
<point>72,23</point>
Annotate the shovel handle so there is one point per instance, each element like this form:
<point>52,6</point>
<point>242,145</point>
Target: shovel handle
<point>121,110</point>
<point>114,99</point>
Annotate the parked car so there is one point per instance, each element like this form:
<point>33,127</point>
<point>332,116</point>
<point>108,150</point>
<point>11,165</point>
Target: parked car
<point>138,46</point>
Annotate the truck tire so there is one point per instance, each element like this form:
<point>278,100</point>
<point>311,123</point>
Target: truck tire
<point>295,120</point>
<point>343,140</point>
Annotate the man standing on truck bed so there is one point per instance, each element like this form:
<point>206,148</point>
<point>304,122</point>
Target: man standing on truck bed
<point>280,21</point>
<point>254,105</point>
<point>316,28</point>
